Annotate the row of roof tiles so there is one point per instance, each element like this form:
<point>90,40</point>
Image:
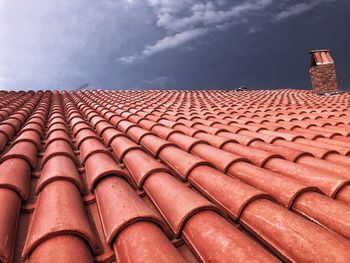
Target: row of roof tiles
<point>170,176</point>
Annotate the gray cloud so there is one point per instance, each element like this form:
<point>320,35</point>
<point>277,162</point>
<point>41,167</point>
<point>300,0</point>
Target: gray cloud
<point>298,9</point>
<point>167,42</point>
<point>109,43</point>
<point>50,44</point>
<point>206,14</point>
<point>160,82</point>
<point>174,41</point>
<point>203,19</point>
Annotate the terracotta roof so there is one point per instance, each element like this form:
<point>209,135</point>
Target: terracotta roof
<point>174,176</point>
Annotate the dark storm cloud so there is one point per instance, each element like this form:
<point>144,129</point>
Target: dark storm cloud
<point>184,44</point>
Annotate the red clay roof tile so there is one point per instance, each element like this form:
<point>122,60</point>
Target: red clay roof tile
<point>181,162</point>
<point>224,178</point>
<point>155,246</point>
<point>175,201</point>
<point>154,144</point>
<point>59,147</point>
<point>141,166</point>
<point>65,247</point>
<point>90,147</point>
<point>233,245</point>
<point>185,142</point>
<point>110,134</point>
<point>59,210</point>
<point>329,183</point>
<point>100,165</point>
<point>7,129</point>
<point>25,150</point>
<point>9,215</point>
<point>284,189</point>
<point>122,145</point>
<point>324,211</point>
<point>57,135</point>
<point>258,217</point>
<point>15,174</point>
<point>136,133</point>
<point>221,159</point>
<point>129,209</point>
<point>230,194</point>
<point>59,167</point>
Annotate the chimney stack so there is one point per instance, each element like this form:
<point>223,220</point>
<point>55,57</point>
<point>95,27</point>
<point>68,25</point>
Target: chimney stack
<point>322,72</point>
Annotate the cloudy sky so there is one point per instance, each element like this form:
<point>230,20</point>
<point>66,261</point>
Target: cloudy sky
<point>183,44</point>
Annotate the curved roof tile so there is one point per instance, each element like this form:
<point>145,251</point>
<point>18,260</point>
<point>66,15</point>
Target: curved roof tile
<point>174,176</point>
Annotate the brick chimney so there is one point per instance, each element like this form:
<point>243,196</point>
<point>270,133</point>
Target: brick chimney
<point>322,72</point>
